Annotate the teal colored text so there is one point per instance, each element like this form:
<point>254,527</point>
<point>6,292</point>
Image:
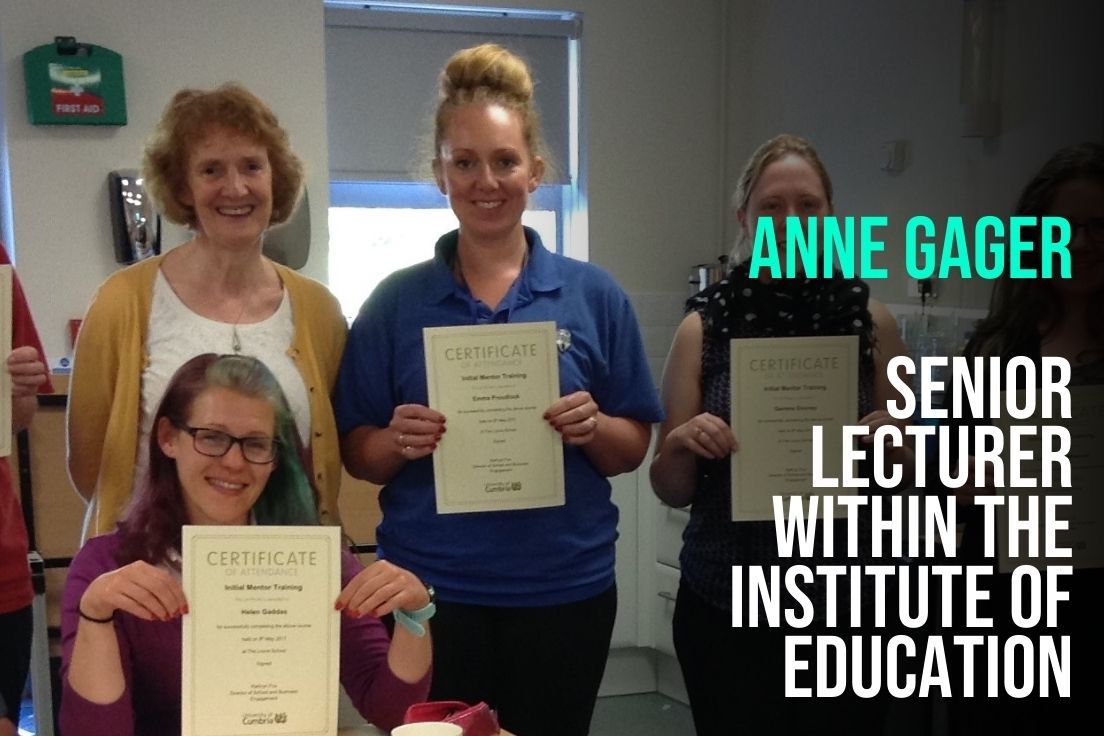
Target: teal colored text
<point>815,247</point>
<point>1027,247</point>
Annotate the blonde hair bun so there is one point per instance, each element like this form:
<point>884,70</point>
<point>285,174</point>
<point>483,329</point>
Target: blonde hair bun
<point>489,74</point>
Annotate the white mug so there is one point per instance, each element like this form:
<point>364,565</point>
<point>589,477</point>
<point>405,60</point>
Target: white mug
<point>428,728</point>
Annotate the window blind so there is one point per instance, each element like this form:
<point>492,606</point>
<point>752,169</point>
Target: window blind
<point>382,66</point>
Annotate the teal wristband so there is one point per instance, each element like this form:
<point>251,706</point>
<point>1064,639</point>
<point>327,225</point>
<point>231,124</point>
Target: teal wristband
<point>412,620</point>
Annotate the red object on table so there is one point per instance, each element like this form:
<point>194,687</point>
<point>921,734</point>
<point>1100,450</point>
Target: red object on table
<point>476,720</point>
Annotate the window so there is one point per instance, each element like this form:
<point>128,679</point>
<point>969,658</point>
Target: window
<point>382,63</point>
<point>377,228</point>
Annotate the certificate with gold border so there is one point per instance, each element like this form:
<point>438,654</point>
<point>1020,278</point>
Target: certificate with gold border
<point>261,639</point>
<point>493,384</point>
<point>781,388</point>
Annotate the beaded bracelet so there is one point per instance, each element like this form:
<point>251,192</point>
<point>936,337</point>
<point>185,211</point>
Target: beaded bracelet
<point>86,617</point>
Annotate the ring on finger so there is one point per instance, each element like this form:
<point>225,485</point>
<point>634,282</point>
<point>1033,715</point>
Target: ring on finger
<point>402,439</point>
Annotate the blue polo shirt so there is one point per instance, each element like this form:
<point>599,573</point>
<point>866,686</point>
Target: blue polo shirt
<point>527,557</point>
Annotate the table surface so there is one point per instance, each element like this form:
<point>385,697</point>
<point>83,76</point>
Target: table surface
<point>373,731</point>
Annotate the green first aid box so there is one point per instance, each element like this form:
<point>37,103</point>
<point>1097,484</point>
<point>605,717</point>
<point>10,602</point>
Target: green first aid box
<point>70,83</point>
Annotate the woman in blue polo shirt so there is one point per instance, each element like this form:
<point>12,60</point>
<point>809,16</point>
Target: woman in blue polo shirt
<point>525,598</point>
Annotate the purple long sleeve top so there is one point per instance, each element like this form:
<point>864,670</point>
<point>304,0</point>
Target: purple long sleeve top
<point>150,650</point>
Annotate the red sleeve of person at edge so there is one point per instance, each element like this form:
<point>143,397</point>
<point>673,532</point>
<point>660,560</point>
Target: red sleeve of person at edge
<point>15,577</point>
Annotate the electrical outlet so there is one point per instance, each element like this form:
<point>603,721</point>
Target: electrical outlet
<point>916,288</point>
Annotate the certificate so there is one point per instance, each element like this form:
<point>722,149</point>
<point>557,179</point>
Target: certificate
<point>260,641</point>
<point>493,383</point>
<point>1085,535</point>
<point>782,387</point>
<point>5,350</point>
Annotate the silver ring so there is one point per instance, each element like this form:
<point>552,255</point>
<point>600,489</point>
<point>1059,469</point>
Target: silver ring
<point>404,449</point>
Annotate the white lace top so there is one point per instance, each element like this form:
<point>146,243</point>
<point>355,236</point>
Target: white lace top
<point>177,334</point>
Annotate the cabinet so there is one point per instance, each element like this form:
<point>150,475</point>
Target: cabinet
<point>669,526</point>
<point>642,656</point>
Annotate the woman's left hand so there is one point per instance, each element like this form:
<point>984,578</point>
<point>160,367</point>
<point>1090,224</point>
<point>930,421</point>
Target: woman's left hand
<point>379,589</point>
<point>880,418</point>
<point>575,417</point>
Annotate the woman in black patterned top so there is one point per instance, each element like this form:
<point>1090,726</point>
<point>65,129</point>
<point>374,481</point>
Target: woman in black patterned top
<point>735,676</point>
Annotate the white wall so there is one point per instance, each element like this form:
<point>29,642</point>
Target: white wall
<point>653,87</point>
<point>851,74</point>
<point>58,174</point>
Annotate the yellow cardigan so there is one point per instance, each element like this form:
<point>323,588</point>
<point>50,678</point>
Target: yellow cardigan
<point>105,387</point>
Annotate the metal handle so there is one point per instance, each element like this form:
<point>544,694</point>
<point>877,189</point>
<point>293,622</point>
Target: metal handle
<point>41,689</point>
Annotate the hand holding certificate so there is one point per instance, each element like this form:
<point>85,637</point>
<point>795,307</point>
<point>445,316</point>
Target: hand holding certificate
<point>493,382</point>
<point>781,387</point>
<point>213,608</point>
<point>260,647</point>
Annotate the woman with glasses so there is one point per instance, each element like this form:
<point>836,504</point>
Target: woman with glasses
<point>224,451</point>
<point>1036,318</point>
<point>1056,317</point>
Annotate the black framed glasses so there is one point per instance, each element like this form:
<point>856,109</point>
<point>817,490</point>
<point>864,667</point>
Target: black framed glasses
<point>216,443</point>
